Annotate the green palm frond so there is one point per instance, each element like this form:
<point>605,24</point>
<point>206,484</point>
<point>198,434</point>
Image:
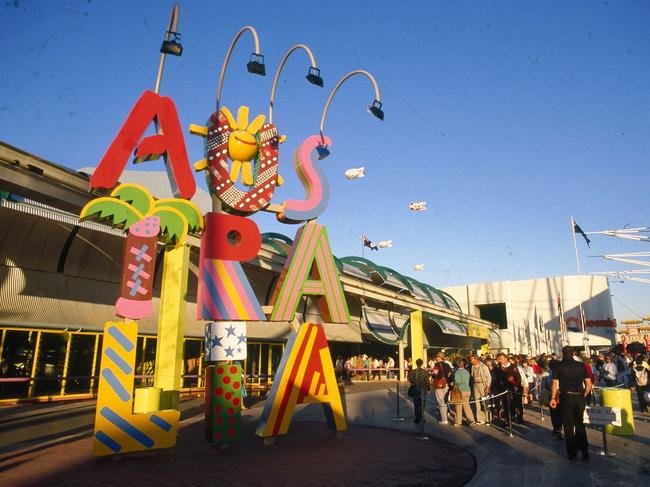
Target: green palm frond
<point>138,196</point>
<point>173,225</point>
<point>120,213</point>
<point>191,212</point>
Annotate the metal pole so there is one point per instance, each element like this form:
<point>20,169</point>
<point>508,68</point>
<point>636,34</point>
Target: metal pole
<point>508,406</point>
<point>489,409</point>
<point>338,85</point>
<point>575,245</point>
<point>585,335</point>
<point>229,52</point>
<point>37,351</point>
<point>94,366</point>
<point>398,417</point>
<point>277,73</point>
<point>172,26</point>
<point>201,381</point>
<point>66,362</point>
<point>400,358</point>
<point>605,451</point>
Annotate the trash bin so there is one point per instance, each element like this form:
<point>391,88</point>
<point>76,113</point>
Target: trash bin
<point>147,400</point>
<point>615,397</point>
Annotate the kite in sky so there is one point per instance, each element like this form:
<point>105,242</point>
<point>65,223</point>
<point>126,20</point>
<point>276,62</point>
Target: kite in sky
<point>418,267</point>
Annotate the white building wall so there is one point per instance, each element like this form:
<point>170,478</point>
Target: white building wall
<point>532,311</point>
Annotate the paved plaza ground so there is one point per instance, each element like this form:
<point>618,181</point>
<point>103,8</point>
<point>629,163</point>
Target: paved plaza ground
<point>50,444</point>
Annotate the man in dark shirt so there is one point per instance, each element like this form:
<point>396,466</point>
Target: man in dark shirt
<point>419,378</point>
<point>508,378</point>
<point>571,385</point>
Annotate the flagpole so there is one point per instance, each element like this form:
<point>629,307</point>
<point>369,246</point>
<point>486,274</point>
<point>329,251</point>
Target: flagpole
<point>575,244</point>
<point>583,325</point>
<point>563,331</point>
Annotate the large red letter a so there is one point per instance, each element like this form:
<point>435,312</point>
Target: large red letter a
<point>168,142</point>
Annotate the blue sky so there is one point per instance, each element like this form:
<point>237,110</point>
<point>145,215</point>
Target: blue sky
<point>507,117</point>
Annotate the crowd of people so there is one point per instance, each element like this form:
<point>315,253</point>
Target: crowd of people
<point>365,367</point>
<point>495,389</point>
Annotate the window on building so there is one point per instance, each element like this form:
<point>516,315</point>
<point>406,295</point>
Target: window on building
<point>496,313</point>
<point>49,367</point>
<point>145,360</point>
<point>80,363</point>
<point>191,361</point>
<point>16,362</point>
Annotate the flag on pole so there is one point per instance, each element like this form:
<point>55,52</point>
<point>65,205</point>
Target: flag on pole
<point>368,243</point>
<point>577,229</point>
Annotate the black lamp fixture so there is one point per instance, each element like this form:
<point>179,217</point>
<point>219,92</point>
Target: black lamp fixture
<point>376,110</point>
<point>256,64</point>
<point>314,77</point>
<point>322,151</point>
<point>172,45</point>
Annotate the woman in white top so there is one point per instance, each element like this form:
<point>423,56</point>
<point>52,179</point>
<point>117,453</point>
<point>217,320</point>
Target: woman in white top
<point>608,372</point>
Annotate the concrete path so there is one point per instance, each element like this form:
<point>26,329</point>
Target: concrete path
<point>531,457</point>
<point>33,433</point>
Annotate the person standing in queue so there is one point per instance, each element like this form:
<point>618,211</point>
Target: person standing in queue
<point>481,381</point>
<point>442,376</point>
<point>509,379</point>
<point>571,385</point>
<point>419,379</point>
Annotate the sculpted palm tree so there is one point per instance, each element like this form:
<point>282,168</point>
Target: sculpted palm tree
<point>131,207</point>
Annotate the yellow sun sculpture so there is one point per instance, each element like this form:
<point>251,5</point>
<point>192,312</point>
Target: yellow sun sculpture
<point>242,143</point>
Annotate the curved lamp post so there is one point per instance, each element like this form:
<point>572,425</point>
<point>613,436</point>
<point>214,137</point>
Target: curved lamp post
<point>255,64</point>
<point>171,44</point>
<point>313,75</point>
<point>375,108</point>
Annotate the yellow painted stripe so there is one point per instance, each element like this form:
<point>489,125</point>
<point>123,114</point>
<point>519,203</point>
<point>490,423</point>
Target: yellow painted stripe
<point>321,390</point>
<point>293,399</point>
<point>284,379</point>
<point>333,395</point>
<point>314,384</point>
<point>230,289</point>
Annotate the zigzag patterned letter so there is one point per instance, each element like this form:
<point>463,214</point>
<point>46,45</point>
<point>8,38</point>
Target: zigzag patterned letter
<point>310,269</point>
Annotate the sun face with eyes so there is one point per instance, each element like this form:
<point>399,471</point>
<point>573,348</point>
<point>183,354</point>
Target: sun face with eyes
<point>242,143</point>
<point>244,146</point>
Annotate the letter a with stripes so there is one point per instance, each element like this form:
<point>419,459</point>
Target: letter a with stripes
<point>305,375</point>
<point>310,270</point>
